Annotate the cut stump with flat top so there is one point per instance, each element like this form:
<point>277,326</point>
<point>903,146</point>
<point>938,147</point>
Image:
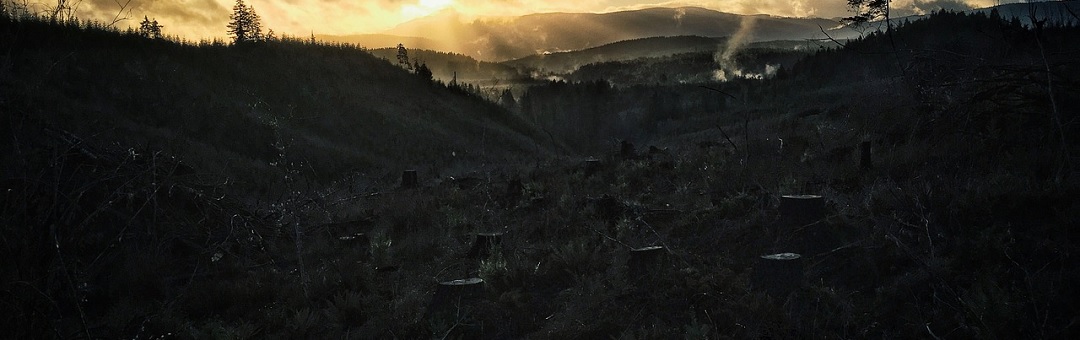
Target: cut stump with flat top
<point>610,208</point>
<point>644,261</point>
<point>866,162</point>
<point>778,274</point>
<point>592,165</point>
<point>626,150</point>
<point>357,240</point>
<point>797,211</point>
<point>409,179</point>
<point>514,189</point>
<point>456,294</point>
<point>484,244</point>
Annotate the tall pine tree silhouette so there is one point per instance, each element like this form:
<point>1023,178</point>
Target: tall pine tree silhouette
<point>150,29</point>
<point>244,24</point>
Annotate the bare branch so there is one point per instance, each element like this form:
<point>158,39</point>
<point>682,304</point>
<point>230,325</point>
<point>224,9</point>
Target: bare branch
<point>830,37</point>
<point>123,6</point>
<point>726,137</point>
<point>717,90</point>
<point>1069,9</point>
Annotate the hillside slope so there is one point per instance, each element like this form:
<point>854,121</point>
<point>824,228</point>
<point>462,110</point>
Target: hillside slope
<point>445,66</point>
<point>250,113</point>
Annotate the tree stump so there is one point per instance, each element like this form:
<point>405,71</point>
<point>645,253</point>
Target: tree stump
<point>357,241</point>
<point>592,166</point>
<point>453,296</point>
<point>627,150</point>
<point>609,208</point>
<point>866,162</point>
<point>409,179</point>
<point>778,274</point>
<point>484,244</point>
<point>644,261</point>
<point>514,187</point>
<point>357,238</point>
<point>800,210</point>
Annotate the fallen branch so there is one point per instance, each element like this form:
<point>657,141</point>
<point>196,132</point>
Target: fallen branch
<point>728,138</point>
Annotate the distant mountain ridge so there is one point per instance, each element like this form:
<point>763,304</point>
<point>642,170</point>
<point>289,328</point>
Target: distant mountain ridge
<point>507,38</point>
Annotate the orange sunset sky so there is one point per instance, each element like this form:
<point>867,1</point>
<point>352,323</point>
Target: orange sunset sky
<point>203,19</point>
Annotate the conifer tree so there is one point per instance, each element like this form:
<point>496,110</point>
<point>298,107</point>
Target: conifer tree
<point>424,72</point>
<point>867,11</point>
<point>150,28</point>
<point>244,24</point>
<point>507,99</point>
<point>256,25</point>
<point>403,56</point>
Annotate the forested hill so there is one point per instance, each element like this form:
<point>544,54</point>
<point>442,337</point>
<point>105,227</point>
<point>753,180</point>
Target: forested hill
<point>249,113</point>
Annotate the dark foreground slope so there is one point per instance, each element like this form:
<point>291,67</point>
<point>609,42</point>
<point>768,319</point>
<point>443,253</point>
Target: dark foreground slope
<point>251,113</point>
<point>137,175</point>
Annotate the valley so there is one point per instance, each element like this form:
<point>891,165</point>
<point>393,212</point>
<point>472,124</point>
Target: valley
<point>658,176</point>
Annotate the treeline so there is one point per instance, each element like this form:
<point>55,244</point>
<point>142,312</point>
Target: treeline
<point>687,68</point>
<point>445,66</point>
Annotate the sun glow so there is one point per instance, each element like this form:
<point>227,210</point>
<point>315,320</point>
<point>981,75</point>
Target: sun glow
<point>424,8</point>
<point>200,19</point>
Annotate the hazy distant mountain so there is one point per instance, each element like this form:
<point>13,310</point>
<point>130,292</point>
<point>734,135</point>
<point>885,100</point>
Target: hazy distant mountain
<point>496,39</point>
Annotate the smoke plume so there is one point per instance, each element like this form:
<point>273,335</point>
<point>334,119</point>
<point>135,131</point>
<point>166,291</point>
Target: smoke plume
<point>725,58</point>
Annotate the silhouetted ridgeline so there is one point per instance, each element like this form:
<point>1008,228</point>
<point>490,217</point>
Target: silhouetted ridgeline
<point>505,38</point>
<point>249,113</point>
<point>444,65</point>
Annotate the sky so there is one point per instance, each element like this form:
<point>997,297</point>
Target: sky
<point>205,19</point>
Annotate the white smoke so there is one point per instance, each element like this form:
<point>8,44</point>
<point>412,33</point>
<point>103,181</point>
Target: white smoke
<point>728,68</point>
<point>770,70</point>
<point>679,14</point>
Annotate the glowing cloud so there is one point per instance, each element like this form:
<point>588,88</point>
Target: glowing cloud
<point>424,8</point>
<point>199,19</point>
